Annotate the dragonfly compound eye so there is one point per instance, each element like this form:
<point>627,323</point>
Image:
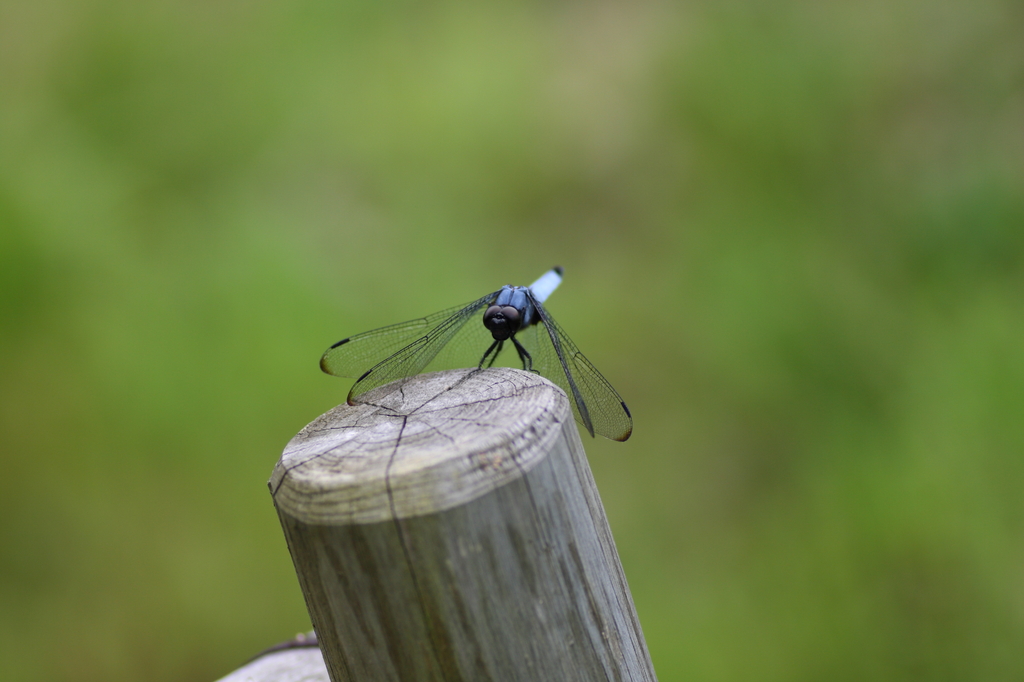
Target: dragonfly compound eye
<point>501,321</point>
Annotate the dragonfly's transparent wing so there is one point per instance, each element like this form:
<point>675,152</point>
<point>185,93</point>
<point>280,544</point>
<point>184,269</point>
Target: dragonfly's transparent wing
<point>443,340</point>
<point>351,357</point>
<point>595,404</point>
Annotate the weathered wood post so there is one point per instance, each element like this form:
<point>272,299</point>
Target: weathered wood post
<point>451,530</point>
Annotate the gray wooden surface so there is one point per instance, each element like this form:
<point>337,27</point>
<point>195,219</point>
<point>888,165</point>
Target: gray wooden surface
<point>290,665</point>
<point>452,531</point>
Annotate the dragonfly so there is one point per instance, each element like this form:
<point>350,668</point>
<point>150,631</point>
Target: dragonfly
<point>476,333</point>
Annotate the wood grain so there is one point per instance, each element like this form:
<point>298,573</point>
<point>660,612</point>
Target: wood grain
<point>451,530</point>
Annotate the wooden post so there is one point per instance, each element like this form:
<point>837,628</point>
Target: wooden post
<point>299,660</point>
<point>451,530</point>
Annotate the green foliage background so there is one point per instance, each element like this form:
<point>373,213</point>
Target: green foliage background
<point>793,235</point>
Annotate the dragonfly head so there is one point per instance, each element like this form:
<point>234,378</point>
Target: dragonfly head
<point>502,321</point>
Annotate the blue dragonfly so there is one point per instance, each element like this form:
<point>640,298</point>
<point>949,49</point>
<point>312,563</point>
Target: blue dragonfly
<point>511,316</point>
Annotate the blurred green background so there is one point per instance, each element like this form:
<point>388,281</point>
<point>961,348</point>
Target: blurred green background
<point>793,235</point>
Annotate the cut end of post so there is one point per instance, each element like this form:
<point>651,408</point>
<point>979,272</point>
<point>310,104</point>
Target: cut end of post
<point>434,442</point>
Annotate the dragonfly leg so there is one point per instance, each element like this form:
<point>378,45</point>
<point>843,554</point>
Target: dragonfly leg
<point>524,355</point>
<point>495,349</point>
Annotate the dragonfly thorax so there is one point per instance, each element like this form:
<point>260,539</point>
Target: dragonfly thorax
<point>502,321</point>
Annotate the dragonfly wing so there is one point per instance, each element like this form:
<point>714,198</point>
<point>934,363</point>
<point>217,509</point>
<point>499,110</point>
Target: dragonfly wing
<point>595,403</point>
<point>449,339</point>
<point>351,357</point>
